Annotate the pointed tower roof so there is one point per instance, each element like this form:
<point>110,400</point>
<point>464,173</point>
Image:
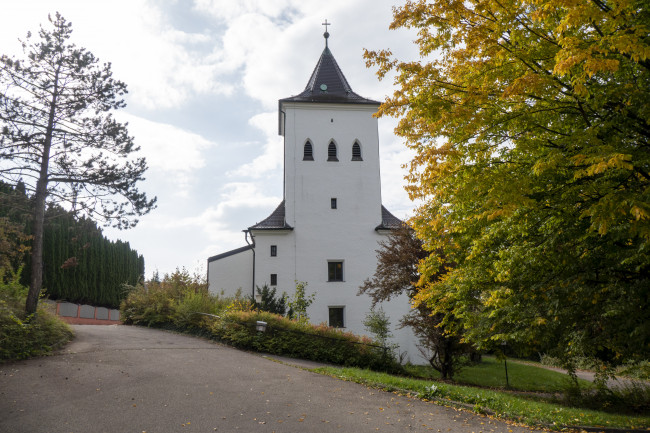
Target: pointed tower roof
<point>327,84</point>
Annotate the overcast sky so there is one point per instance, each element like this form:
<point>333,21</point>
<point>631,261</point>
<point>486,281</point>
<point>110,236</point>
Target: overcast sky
<point>204,79</point>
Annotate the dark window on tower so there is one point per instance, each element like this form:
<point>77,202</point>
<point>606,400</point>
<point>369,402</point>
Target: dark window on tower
<point>356,152</point>
<point>333,203</point>
<point>274,250</point>
<point>274,279</point>
<point>336,317</point>
<point>308,154</point>
<point>331,152</point>
<point>334,271</point>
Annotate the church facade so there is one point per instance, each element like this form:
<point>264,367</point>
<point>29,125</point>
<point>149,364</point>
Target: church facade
<point>328,227</point>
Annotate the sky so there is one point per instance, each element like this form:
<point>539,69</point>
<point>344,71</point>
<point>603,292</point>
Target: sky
<point>204,79</point>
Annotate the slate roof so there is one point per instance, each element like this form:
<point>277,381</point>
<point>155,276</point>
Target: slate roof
<point>338,90</point>
<point>275,221</point>
<point>388,220</point>
<point>230,253</point>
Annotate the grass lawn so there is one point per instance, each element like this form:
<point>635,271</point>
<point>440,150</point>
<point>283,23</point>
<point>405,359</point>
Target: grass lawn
<point>491,373</point>
<point>530,409</point>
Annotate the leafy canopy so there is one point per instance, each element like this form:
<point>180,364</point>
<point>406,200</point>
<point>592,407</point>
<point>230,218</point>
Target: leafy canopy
<point>530,120</point>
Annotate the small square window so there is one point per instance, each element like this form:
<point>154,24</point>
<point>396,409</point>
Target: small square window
<point>274,250</point>
<point>274,279</point>
<point>334,271</point>
<point>333,203</point>
<point>336,317</point>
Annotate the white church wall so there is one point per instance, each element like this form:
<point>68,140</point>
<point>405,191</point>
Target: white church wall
<point>282,265</point>
<point>229,272</point>
<point>347,233</point>
<point>309,185</point>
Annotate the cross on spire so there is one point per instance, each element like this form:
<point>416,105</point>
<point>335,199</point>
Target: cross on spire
<point>326,34</point>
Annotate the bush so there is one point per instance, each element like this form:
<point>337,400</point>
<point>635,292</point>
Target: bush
<point>628,398</point>
<point>23,336</point>
<point>300,339</point>
<point>271,302</point>
<point>172,305</point>
<point>173,301</point>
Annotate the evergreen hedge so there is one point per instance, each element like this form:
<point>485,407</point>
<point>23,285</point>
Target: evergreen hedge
<point>79,263</point>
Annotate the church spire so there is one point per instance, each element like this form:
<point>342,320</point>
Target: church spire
<point>327,83</point>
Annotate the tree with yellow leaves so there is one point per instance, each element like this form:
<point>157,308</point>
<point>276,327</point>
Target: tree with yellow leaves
<point>530,120</point>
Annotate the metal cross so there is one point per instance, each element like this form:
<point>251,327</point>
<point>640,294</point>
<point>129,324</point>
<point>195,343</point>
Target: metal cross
<point>326,24</point>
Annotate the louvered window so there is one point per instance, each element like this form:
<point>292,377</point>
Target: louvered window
<point>356,152</point>
<point>308,154</point>
<point>331,152</point>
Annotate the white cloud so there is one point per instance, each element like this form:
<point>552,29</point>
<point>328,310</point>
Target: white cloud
<point>168,149</point>
<point>272,156</point>
<point>234,197</point>
<point>145,52</point>
<point>180,60</point>
<point>228,10</point>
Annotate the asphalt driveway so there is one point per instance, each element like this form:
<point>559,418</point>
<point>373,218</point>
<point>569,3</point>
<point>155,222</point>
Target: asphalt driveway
<point>131,379</point>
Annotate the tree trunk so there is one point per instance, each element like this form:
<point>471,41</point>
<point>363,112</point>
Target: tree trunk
<point>37,248</point>
<point>36,283</point>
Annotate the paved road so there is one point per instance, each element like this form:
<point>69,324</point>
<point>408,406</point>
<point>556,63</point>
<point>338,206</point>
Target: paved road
<point>130,379</point>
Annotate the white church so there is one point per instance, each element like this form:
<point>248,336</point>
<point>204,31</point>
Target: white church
<point>326,230</point>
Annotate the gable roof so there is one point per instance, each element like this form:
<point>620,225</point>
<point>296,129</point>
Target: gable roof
<point>388,220</point>
<point>275,221</point>
<point>336,90</point>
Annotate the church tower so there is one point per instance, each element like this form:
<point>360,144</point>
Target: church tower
<point>327,229</point>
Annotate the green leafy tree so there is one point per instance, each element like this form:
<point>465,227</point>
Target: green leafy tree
<point>299,302</point>
<point>59,137</point>
<point>378,324</point>
<point>530,121</point>
<point>396,274</point>
<point>14,241</point>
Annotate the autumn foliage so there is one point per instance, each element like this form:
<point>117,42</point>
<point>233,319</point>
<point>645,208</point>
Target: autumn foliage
<point>530,120</point>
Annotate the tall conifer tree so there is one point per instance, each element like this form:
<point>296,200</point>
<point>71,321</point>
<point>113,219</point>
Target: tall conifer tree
<point>59,137</point>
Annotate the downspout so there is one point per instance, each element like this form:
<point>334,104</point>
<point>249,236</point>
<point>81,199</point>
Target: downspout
<point>247,232</point>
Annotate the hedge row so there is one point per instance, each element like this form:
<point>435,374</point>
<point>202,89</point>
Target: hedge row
<point>79,263</point>
<point>171,307</point>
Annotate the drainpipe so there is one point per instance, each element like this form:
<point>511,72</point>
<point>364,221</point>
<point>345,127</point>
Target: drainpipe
<point>247,232</point>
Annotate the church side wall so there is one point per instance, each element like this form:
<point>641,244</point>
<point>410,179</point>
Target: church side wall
<point>283,264</point>
<point>228,274</point>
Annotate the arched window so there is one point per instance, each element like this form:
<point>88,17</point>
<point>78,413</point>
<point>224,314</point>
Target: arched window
<point>331,152</point>
<point>308,154</point>
<point>356,152</point>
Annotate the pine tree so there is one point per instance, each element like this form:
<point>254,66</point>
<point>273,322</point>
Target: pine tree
<point>58,136</point>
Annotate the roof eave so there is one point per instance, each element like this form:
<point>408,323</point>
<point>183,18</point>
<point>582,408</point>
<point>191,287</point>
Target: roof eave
<point>271,229</point>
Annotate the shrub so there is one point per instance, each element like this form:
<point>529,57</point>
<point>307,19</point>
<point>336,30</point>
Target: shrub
<point>23,336</point>
<point>270,301</point>
<point>299,302</point>
<point>300,339</point>
<point>169,305</point>
<point>629,398</point>
<point>172,302</point>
